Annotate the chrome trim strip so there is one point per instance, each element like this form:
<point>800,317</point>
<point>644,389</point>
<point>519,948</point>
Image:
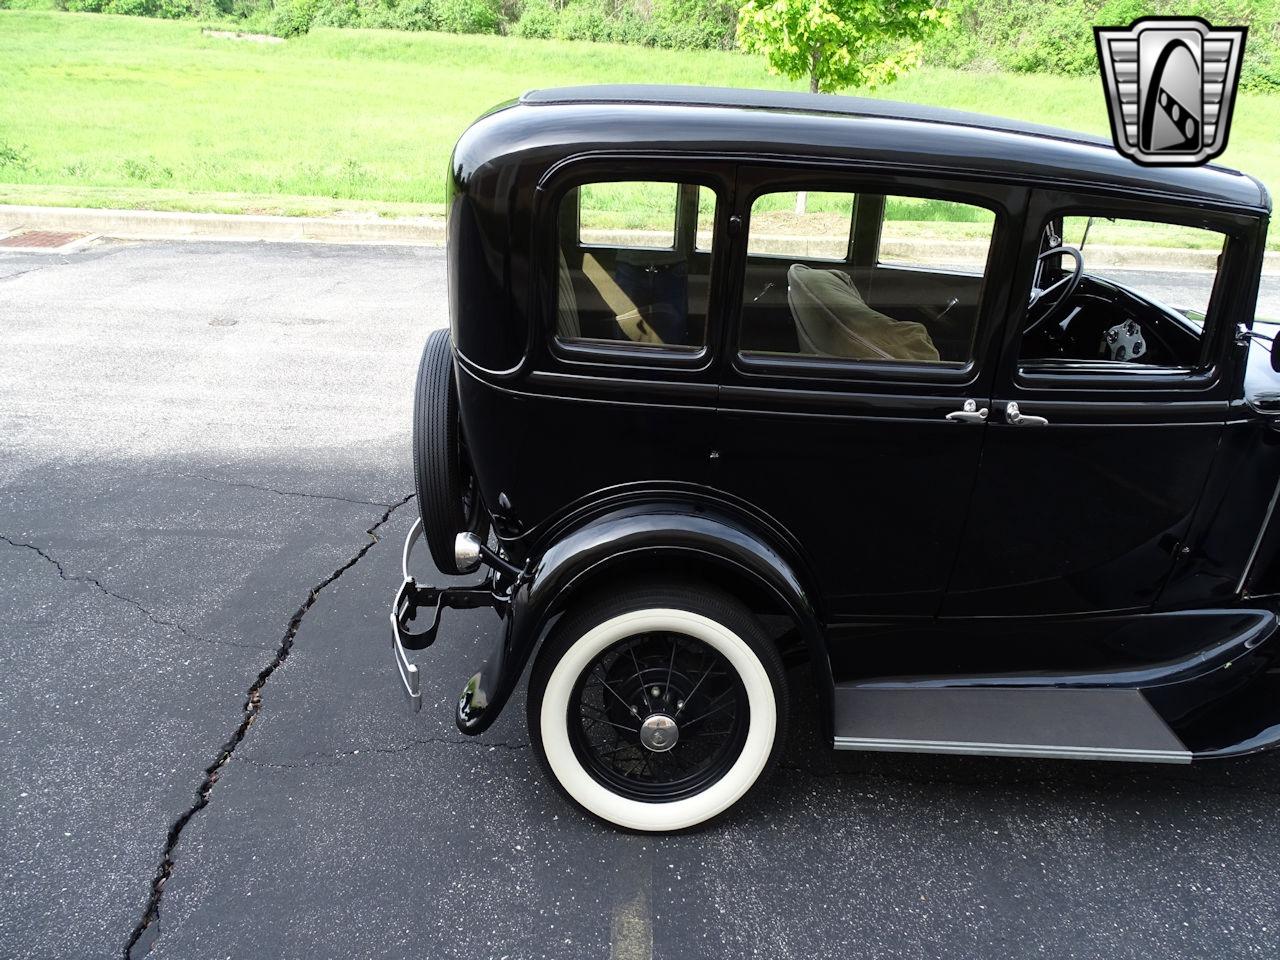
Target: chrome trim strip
<point>1012,750</point>
<point>1257,544</point>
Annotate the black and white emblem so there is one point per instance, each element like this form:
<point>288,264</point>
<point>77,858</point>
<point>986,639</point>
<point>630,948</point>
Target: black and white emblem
<point>1170,84</point>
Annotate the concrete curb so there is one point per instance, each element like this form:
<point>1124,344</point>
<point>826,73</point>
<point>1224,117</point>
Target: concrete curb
<point>164,225</point>
<point>429,231</point>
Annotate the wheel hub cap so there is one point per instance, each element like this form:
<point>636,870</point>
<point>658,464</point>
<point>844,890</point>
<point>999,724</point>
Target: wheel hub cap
<point>659,732</point>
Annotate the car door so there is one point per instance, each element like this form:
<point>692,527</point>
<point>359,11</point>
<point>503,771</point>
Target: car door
<point>620,388</point>
<point>850,411</point>
<point>1106,419</point>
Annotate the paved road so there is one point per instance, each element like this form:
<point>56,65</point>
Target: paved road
<point>197,440</point>
<point>1181,289</point>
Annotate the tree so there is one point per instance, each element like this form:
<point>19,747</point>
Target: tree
<point>838,43</point>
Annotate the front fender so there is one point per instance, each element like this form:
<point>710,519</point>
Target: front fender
<point>649,531</point>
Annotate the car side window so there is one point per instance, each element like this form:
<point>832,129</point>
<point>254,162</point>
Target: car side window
<point>811,291</point>
<point>1128,294</point>
<point>634,264</point>
<point>812,225</point>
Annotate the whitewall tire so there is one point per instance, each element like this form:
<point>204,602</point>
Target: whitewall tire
<point>658,709</point>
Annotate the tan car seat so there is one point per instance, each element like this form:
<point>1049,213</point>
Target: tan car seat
<point>832,320</point>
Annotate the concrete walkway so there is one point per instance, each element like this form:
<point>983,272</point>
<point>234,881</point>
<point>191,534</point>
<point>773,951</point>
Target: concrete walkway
<point>429,231</point>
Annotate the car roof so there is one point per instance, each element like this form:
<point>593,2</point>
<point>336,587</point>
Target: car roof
<point>1006,145</point>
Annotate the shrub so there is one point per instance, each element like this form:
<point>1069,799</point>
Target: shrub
<point>680,24</point>
<point>584,20</point>
<point>468,16</point>
<point>1262,72</point>
<point>538,20</point>
<point>292,18</point>
<point>337,13</point>
<point>696,24</point>
<point>1043,36</point>
<point>417,15</point>
<point>13,156</point>
<point>167,9</point>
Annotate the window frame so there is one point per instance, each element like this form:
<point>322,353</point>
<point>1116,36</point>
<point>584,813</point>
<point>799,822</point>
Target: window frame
<point>1003,200</point>
<point>623,357</point>
<point>1048,204</point>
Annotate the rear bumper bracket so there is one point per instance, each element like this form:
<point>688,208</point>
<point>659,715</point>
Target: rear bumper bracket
<point>412,598</point>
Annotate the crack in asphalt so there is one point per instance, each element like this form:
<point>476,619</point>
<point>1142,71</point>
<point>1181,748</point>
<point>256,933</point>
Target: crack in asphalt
<point>289,493</point>
<point>131,601</point>
<point>337,756</point>
<point>147,931</point>
<point>23,273</point>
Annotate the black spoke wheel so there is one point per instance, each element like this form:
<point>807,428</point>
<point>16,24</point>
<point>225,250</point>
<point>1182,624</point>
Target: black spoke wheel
<point>657,708</point>
<point>693,702</point>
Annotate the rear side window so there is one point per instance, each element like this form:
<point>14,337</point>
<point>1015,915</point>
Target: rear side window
<point>865,278</point>
<point>634,264</point>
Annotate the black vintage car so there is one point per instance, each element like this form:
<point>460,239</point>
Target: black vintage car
<point>970,415</point>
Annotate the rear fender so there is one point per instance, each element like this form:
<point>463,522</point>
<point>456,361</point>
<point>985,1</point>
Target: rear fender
<point>686,536</point>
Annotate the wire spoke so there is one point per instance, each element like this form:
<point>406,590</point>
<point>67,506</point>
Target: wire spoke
<point>617,726</point>
<point>704,684</point>
<point>644,687</point>
<point>603,716</point>
<point>704,734</point>
<point>714,700</point>
<point>675,644</point>
<point>619,749</point>
<point>609,687</point>
<point>690,694</point>
<point>710,713</point>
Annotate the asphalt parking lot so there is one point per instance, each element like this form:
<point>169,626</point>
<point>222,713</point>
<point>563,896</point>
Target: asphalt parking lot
<point>205,752</point>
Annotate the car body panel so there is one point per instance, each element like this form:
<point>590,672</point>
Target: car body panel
<point>635,535</point>
<point>899,543</point>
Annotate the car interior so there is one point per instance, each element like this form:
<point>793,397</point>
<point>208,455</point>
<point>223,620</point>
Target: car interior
<point>849,303</point>
<point>852,292</point>
<point>652,285</point>
<point>638,285</point>
<point>1086,306</point>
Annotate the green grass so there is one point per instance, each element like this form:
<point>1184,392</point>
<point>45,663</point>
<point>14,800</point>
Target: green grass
<point>103,111</point>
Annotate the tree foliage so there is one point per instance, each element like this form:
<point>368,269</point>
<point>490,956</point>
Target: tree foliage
<point>839,43</point>
<point>1056,36</point>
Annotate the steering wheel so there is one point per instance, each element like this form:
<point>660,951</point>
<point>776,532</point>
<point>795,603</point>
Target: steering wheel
<point>1046,302</point>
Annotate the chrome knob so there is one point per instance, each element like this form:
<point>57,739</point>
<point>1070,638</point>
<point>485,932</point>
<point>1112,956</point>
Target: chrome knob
<point>466,551</point>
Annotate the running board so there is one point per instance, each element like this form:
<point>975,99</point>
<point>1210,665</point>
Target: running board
<point>1069,723</point>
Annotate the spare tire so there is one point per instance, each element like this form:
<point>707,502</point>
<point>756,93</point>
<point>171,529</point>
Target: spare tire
<point>448,496</point>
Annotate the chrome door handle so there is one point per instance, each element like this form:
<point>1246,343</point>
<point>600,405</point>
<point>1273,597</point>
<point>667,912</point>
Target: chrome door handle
<point>1019,419</point>
<point>970,413</point>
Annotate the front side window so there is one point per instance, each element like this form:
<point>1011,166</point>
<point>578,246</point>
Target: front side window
<point>864,277</point>
<point>1127,294</point>
<point>634,264</point>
